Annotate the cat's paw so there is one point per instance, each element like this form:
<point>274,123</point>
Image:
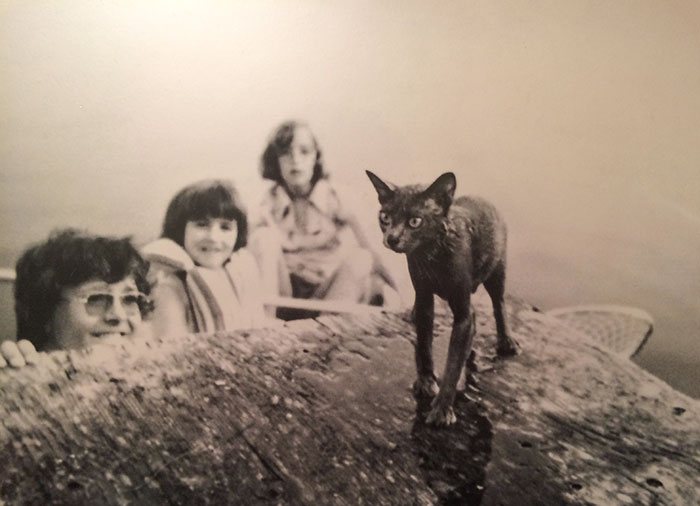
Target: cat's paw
<point>507,347</point>
<point>425,386</point>
<point>441,416</point>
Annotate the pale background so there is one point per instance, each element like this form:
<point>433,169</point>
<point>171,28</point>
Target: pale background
<point>580,120</point>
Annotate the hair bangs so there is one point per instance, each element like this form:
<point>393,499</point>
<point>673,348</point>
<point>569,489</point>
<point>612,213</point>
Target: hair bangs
<point>215,202</point>
<point>206,199</point>
<point>279,144</point>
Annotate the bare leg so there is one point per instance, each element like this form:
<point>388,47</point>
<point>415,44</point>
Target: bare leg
<point>265,245</point>
<point>351,280</point>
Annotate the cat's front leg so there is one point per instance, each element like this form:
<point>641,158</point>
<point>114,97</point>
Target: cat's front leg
<point>440,414</point>
<point>441,411</point>
<point>424,314</point>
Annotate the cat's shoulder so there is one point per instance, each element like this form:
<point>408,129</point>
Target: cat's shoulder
<point>472,204</point>
<point>468,211</point>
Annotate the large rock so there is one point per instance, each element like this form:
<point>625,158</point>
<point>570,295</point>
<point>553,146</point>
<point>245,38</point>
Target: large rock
<point>320,412</point>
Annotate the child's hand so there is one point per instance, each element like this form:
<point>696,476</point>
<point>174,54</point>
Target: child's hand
<point>17,354</point>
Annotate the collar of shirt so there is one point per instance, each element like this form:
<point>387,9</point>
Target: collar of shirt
<point>318,197</point>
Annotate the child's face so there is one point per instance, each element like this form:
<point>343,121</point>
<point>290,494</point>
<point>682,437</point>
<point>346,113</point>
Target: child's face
<point>95,310</point>
<point>210,241</point>
<point>297,164</point>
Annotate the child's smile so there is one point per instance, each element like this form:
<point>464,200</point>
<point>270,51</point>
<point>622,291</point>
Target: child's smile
<point>96,310</point>
<point>210,241</point>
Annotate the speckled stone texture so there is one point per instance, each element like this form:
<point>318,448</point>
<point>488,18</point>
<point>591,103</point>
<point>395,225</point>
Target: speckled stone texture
<point>321,412</point>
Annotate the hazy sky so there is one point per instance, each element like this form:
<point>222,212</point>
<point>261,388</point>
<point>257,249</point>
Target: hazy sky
<point>579,119</point>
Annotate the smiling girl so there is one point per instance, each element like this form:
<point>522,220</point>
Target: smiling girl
<point>75,289</point>
<point>205,280</point>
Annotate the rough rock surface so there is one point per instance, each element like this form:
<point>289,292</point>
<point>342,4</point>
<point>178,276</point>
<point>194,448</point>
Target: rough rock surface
<point>320,412</point>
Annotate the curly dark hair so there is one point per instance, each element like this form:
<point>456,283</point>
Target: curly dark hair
<point>279,144</point>
<point>66,259</point>
<point>209,198</point>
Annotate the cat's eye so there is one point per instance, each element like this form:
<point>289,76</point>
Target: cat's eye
<point>384,218</point>
<point>415,222</point>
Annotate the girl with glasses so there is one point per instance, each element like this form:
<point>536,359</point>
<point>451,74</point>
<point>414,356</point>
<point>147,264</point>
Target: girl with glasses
<point>75,289</point>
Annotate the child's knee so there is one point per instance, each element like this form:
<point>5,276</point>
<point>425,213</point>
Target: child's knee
<point>358,262</point>
<point>265,239</point>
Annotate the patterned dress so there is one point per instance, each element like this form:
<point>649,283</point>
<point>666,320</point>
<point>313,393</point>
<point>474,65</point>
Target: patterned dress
<point>314,238</point>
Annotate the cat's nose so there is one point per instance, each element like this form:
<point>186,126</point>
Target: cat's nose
<point>392,240</point>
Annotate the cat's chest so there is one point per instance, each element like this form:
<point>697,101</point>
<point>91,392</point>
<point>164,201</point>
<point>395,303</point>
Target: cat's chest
<point>441,274</point>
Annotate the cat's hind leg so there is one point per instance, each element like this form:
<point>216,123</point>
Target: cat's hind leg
<point>495,286</point>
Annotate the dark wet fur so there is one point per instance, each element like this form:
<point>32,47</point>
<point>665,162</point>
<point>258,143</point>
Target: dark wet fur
<point>458,245</point>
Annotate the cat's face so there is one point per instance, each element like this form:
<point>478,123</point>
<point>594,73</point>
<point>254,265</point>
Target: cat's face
<point>411,216</point>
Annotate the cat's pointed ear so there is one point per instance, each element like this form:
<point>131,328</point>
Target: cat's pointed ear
<point>384,190</point>
<point>442,191</point>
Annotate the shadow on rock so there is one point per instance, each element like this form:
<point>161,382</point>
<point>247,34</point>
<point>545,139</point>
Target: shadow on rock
<point>454,459</point>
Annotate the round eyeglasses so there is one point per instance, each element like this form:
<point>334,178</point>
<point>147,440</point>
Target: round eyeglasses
<point>97,304</point>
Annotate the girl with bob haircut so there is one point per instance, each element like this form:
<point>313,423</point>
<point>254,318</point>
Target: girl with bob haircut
<point>203,200</point>
<point>205,280</point>
<point>76,288</point>
<point>321,249</point>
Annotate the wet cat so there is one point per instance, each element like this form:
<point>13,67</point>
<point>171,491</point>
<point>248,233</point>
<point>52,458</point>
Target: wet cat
<point>452,246</point>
